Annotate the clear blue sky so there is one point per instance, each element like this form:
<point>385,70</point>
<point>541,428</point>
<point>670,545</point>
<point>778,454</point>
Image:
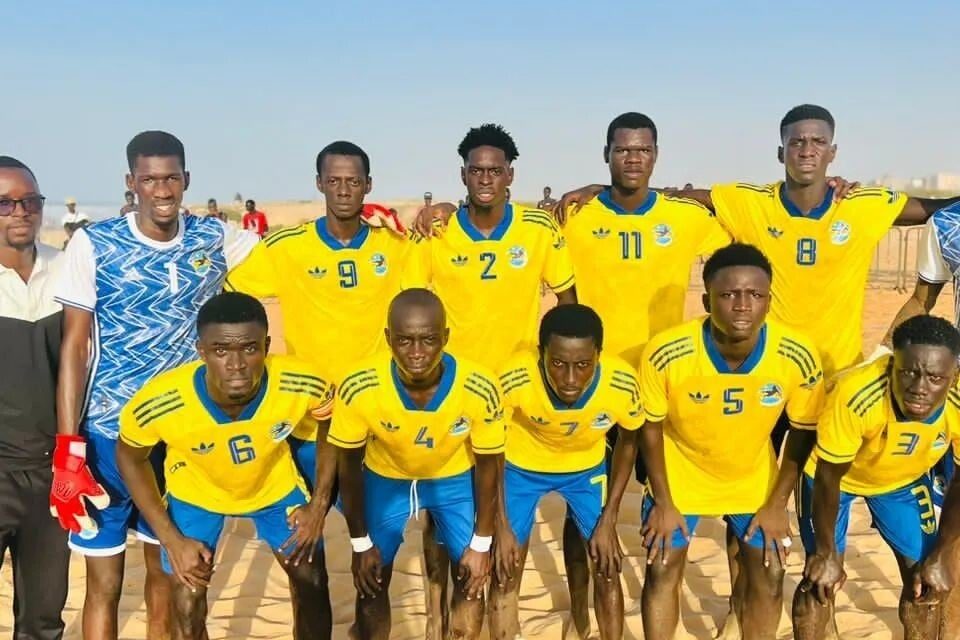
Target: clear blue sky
<point>255,89</point>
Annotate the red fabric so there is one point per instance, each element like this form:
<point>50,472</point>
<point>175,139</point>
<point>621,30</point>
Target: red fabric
<point>256,221</point>
<point>72,482</point>
<point>389,217</point>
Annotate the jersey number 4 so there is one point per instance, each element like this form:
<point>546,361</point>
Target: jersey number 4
<point>422,440</point>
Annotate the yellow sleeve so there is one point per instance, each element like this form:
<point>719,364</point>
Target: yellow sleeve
<point>558,267</point>
<point>891,204</point>
<point>840,431</point>
<point>255,275</point>
<point>713,237</point>
<point>807,397</point>
<point>418,268</point>
<point>728,206</point>
<point>488,436</point>
<point>653,386</point>
<point>348,429</point>
<point>630,415</point>
<point>130,430</point>
<point>955,447</point>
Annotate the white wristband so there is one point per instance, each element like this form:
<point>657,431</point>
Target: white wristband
<point>361,544</point>
<point>481,544</point>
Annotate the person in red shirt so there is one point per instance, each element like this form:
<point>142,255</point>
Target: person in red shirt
<point>255,220</point>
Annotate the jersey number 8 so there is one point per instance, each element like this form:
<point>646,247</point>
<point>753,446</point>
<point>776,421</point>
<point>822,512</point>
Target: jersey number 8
<point>806,251</point>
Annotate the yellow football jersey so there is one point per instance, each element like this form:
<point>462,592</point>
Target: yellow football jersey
<point>633,267</point>
<point>545,434</point>
<point>333,297</point>
<point>490,287</point>
<point>820,262</point>
<point>464,417</point>
<point>219,464</point>
<point>862,425</point>
<point>717,422</point>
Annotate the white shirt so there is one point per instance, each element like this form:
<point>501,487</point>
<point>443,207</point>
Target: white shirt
<point>31,300</point>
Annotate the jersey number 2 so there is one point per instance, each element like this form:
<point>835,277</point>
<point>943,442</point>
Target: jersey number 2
<point>489,259</point>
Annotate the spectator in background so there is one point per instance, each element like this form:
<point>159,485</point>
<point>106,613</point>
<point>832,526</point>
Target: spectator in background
<point>255,220</point>
<point>213,210</point>
<point>427,199</point>
<point>130,205</point>
<point>547,203</point>
<point>73,220</point>
<point>688,186</point>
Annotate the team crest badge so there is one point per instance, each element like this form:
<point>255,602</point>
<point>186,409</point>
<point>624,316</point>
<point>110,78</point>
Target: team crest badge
<point>602,421</point>
<point>281,430</point>
<point>460,427</point>
<point>379,262</point>
<point>941,441</point>
<point>771,395</point>
<point>663,235</point>
<point>839,232</point>
<point>518,257</point>
<point>200,262</point>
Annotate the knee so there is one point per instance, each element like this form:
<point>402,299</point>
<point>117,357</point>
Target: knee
<point>661,576</point>
<point>104,587</point>
<point>309,577</point>
<point>607,589</point>
<point>766,582</point>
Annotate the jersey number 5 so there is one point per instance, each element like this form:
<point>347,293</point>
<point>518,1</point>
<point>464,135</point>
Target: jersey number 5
<point>732,403</point>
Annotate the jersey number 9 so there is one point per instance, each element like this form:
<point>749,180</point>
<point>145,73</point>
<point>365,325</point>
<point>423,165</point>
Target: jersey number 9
<point>348,274</point>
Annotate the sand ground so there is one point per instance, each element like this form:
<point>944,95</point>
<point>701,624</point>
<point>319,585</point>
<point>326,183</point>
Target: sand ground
<point>248,598</point>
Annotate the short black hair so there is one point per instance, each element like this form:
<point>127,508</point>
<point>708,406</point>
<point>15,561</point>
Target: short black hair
<point>735,255</point>
<point>488,135</point>
<point>155,143</point>
<point>929,330</point>
<point>249,202</point>
<point>807,112</point>
<point>571,321</point>
<point>128,194</point>
<point>343,148</point>
<point>9,162</point>
<point>231,307</point>
<point>631,120</point>
<point>211,201</point>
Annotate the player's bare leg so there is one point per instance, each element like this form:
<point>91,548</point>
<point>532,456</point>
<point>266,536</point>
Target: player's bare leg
<point>730,630</point>
<point>578,576</point>
<point>608,601</point>
<point>950,616</point>
<point>310,597</point>
<point>466,616</point>
<point>189,607</point>
<point>505,601</point>
<point>102,599</point>
<point>157,594</point>
<point>762,602</point>
<point>373,614</point>
<point>660,598</point>
<point>921,621</point>
<point>812,620</point>
<point>436,570</point>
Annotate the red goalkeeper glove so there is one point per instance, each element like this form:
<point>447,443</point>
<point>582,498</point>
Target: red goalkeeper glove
<point>72,482</point>
<point>377,215</point>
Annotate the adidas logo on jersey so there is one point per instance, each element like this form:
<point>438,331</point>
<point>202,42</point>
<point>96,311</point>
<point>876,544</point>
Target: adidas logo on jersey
<point>459,261</point>
<point>203,448</point>
<point>699,397</point>
<point>773,231</point>
<point>601,233</point>
<point>540,421</point>
<point>316,272</point>
<point>131,275</point>
<point>812,380</point>
<point>389,426</point>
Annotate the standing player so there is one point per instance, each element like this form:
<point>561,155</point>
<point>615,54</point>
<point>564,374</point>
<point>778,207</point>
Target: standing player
<point>224,420</point>
<point>254,220</point>
<point>410,427</point>
<point>733,372</point>
<point>547,203</point>
<point>334,277</point>
<point>564,398</point>
<point>131,288</point>
<point>885,425</point>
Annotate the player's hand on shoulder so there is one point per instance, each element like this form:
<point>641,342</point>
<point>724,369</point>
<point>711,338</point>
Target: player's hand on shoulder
<point>575,199</point>
<point>657,533</point>
<point>474,571</point>
<point>604,548</point>
<point>366,567</point>
<point>192,562</point>
<point>506,555</point>
<point>774,524</point>
<point>841,187</point>
<point>306,524</point>
<point>432,220</point>
<point>823,575</point>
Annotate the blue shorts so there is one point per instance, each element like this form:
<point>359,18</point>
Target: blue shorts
<point>584,491</point>
<point>206,526</point>
<point>389,503</point>
<point>942,477</point>
<point>739,522</point>
<point>121,514</point>
<point>305,455</point>
<point>904,517</point>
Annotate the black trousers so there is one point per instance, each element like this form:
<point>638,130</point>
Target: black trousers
<point>38,549</point>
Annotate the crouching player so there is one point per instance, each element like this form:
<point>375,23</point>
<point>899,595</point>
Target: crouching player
<point>225,421</point>
<point>713,390</point>
<point>411,426</point>
<point>886,423</point>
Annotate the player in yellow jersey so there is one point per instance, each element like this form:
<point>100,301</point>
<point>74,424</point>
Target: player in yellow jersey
<point>885,425</point>
<point>334,277</point>
<point>713,390</point>
<point>224,421</point>
<point>419,428</point>
<point>562,399</point>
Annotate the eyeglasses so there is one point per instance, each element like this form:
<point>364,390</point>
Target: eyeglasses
<point>30,204</point>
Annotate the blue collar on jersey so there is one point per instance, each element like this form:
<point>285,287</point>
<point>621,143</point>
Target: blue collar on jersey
<point>200,386</point>
<point>720,364</point>
<point>607,200</point>
<point>815,214</point>
<point>463,217</point>
<point>902,418</point>
<point>355,242</point>
<point>581,402</point>
<point>443,389</point>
